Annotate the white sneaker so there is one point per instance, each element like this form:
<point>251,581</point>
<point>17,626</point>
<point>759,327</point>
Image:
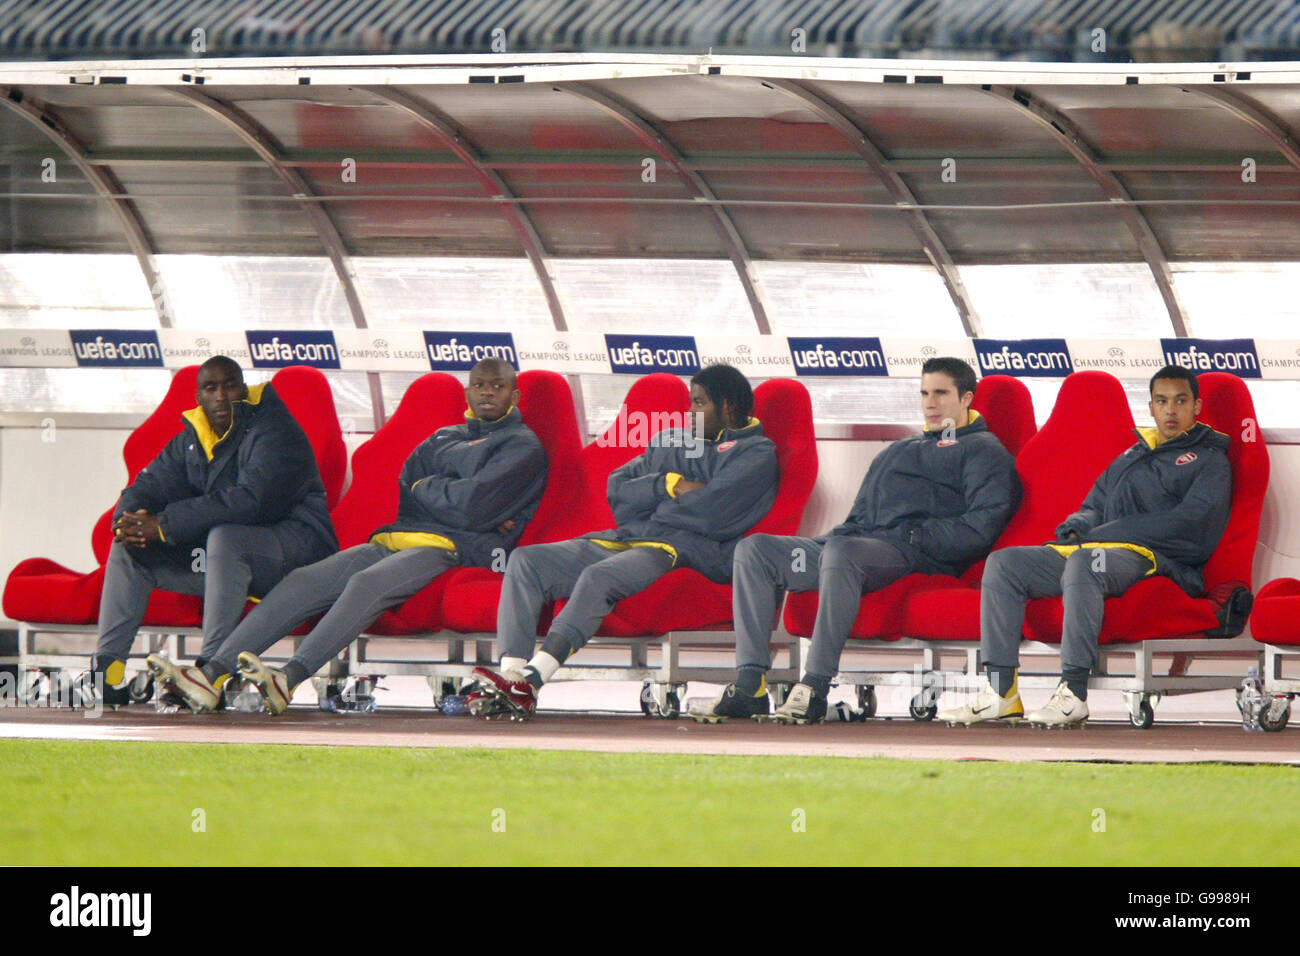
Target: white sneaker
<point>986,705</point>
<point>1063,710</point>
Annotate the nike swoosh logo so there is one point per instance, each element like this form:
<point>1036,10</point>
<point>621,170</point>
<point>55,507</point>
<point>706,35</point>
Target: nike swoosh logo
<point>1067,713</point>
<point>980,710</point>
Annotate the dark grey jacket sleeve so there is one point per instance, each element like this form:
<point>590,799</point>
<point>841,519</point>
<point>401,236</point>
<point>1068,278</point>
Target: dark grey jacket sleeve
<point>636,489</point>
<point>733,502</point>
<point>268,473</point>
<point>485,499</point>
<point>992,492</point>
<point>159,482</point>
<point>1190,531</point>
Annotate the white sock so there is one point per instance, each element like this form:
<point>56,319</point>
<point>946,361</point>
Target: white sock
<point>545,665</point>
<point>515,664</point>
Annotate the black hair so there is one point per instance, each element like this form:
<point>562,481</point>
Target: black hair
<point>722,383</point>
<point>1180,373</point>
<point>962,375</point>
<point>224,362</point>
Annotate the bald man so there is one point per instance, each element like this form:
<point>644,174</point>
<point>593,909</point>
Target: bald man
<point>466,494</point>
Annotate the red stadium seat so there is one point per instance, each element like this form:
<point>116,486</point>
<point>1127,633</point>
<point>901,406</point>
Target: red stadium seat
<point>470,602</point>
<point>306,392</point>
<point>1006,406</point>
<point>143,445</point>
<point>648,400</point>
<point>1156,607</point>
<point>1276,615</point>
<point>432,401</point>
<point>1090,424</point>
<point>43,591</point>
<point>685,600</point>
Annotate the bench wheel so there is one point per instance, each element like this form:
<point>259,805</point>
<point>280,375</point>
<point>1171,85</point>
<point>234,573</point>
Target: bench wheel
<point>1144,716</point>
<point>1275,716</point>
<point>922,708</point>
<point>867,700</point>
<point>141,688</point>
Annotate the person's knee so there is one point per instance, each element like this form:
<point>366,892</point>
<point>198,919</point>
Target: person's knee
<point>1084,569</point>
<point>596,578</point>
<point>1004,566</point>
<point>223,545</point>
<point>522,563</point>
<point>845,553</point>
<point>758,552</point>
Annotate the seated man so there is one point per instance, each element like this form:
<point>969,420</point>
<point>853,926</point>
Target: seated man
<point>933,503</point>
<point>229,506</point>
<point>466,494</point>
<point>684,503</point>
<point>1159,508</point>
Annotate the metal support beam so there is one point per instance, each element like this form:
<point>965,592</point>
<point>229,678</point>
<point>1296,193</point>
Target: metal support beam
<point>656,141</point>
<point>106,185</point>
<point>935,249</point>
<point>260,140</point>
<point>1073,141</point>
<point>453,139</point>
<point>1263,122</point>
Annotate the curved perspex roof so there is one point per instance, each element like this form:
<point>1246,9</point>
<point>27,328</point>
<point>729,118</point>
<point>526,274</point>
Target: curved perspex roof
<point>582,156</point>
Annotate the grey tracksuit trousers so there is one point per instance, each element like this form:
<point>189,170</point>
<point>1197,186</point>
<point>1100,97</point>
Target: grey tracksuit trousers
<point>592,577</point>
<point>841,567</point>
<point>353,587</point>
<point>1083,580</point>
<point>235,560</point>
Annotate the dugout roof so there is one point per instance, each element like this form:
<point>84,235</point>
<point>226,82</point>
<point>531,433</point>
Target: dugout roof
<point>584,190</point>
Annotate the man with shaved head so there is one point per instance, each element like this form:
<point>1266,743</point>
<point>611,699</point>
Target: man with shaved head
<point>466,494</point>
<point>228,508</point>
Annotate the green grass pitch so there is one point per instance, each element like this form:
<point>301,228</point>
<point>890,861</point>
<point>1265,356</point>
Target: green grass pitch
<point>125,803</point>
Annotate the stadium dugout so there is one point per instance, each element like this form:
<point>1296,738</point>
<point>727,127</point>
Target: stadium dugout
<point>830,222</point>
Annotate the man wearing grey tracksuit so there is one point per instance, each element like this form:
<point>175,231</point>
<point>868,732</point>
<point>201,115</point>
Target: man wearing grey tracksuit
<point>466,495</point>
<point>229,506</point>
<point>1159,508</point>
<point>684,503</point>
<point>932,503</point>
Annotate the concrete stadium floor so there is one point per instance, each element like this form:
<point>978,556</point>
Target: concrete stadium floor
<point>605,716</point>
<point>1196,728</point>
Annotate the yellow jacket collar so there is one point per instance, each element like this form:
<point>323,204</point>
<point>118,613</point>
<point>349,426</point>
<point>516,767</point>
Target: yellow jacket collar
<point>749,424</point>
<point>208,436</point>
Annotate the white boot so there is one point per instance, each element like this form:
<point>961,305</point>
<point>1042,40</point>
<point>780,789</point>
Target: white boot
<point>1063,710</point>
<point>987,705</point>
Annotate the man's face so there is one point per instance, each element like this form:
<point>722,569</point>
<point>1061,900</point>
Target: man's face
<point>941,405</point>
<point>218,387</point>
<point>1173,407</point>
<point>707,416</point>
<point>491,391</point>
